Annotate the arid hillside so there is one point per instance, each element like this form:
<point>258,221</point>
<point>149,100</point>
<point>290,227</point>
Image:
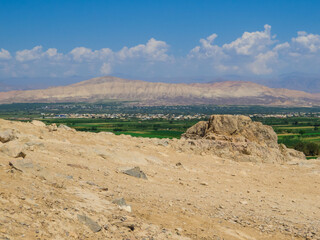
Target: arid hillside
<point>56,183</point>
<point>148,93</point>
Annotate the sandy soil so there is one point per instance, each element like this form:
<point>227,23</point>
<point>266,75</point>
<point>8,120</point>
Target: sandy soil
<point>67,174</point>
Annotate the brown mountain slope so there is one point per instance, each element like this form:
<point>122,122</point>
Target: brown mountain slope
<point>148,93</point>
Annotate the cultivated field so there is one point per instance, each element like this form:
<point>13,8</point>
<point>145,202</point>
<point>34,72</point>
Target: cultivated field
<point>301,133</point>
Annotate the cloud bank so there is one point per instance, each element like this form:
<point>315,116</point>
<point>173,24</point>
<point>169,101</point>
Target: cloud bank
<point>256,53</point>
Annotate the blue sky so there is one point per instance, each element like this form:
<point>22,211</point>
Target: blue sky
<point>157,39</point>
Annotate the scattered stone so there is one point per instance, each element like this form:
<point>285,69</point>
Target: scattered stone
<point>106,227</point>
<point>7,135</point>
<point>53,127</point>
<point>163,142</point>
<point>122,204</point>
<point>131,226</point>
<point>77,166</point>
<point>14,167</point>
<point>135,172</point>
<point>91,183</point>
<point>204,183</point>
<point>94,226</point>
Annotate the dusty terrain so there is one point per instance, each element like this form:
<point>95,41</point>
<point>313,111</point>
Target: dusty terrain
<point>56,183</point>
<point>150,93</point>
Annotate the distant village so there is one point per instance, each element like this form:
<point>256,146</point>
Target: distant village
<point>144,116</point>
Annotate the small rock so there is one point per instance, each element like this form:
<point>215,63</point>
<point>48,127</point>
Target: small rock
<point>94,226</point>
<point>244,202</point>
<point>106,227</point>
<point>122,204</point>
<point>52,127</point>
<point>204,183</point>
<point>91,183</point>
<point>135,172</point>
<point>131,226</point>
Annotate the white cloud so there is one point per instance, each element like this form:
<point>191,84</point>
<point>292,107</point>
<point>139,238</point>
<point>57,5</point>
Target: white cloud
<point>281,46</point>
<point>36,53</point>
<point>260,65</point>
<point>27,55</point>
<point>251,42</point>
<point>252,53</point>
<point>207,49</point>
<point>86,54</point>
<point>305,41</point>
<point>106,69</point>
<point>153,50</point>
<point>4,54</point>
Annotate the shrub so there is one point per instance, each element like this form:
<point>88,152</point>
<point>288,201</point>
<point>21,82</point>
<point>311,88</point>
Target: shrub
<point>308,148</point>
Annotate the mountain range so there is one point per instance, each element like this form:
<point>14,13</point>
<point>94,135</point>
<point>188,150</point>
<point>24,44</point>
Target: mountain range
<point>156,93</point>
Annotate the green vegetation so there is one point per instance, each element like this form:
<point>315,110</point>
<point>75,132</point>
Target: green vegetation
<point>148,128</point>
<point>301,133</point>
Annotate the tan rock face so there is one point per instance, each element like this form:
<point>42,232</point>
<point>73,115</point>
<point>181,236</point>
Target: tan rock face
<point>239,138</point>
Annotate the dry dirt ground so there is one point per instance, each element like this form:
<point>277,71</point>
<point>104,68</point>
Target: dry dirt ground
<point>66,184</point>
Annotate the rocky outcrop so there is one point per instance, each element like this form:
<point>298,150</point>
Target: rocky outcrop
<point>237,138</point>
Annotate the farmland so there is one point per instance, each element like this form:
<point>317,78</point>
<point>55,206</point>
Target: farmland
<point>158,128</point>
<point>301,133</point>
<point>297,128</point>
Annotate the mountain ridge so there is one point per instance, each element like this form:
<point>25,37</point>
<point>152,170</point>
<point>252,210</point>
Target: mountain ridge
<point>158,93</point>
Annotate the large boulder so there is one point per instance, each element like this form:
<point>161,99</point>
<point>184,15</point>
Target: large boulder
<point>14,149</point>
<point>237,137</point>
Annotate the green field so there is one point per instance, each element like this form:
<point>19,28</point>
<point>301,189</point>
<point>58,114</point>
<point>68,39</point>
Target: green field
<point>301,133</point>
<point>157,128</point>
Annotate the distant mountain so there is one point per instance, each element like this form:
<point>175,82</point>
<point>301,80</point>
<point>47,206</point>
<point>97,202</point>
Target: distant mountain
<point>303,82</point>
<point>155,93</point>
<point>4,87</point>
